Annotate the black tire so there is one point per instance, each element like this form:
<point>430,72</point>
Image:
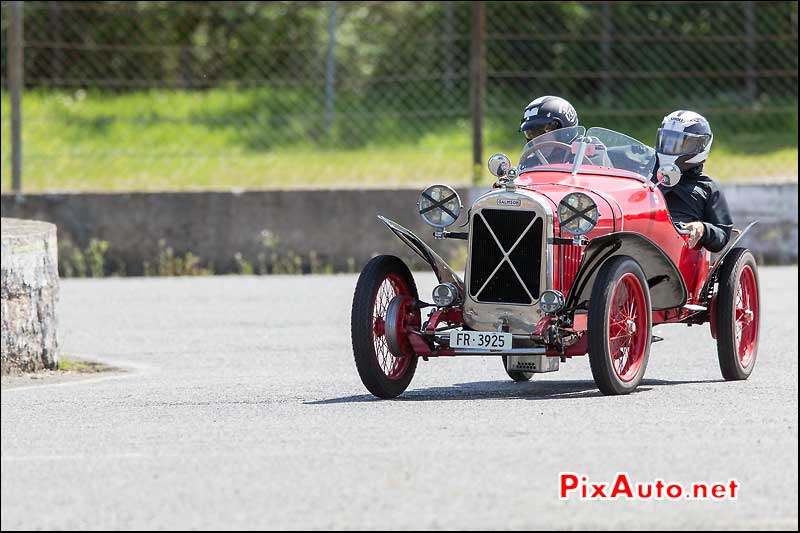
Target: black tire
<point>362,326</point>
<point>516,375</point>
<point>736,362</point>
<point>625,272</point>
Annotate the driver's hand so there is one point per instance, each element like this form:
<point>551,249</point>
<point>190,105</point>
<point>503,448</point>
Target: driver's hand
<point>697,230</point>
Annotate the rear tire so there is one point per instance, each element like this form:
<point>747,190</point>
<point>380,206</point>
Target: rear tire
<point>383,374</point>
<point>737,315</point>
<point>620,326</point>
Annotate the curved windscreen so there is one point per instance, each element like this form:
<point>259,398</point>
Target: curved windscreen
<point>602,148</point>
<point>552,148</point>
<point>624,152</point>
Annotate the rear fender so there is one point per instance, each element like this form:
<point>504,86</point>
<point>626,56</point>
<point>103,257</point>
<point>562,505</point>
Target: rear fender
<point>667,287</point>
<point>705,294</point>
<point>439,266</point>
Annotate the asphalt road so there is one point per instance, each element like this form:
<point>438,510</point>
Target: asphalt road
<point>242,408</point>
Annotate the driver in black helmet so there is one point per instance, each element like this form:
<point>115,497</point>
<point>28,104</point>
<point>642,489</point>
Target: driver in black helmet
<point>550,113</point>
<point>546,114</point>
<point>693,199</point>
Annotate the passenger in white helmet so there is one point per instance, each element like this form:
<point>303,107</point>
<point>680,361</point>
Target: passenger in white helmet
<point>693,199</point>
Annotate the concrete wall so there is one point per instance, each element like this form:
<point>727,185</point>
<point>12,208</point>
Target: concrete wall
<point>774,238</point>
<point>339,226</point>
<point>29,291</point>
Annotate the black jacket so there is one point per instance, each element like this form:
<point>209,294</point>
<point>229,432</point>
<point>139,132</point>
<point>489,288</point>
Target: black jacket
<point>698,198</point>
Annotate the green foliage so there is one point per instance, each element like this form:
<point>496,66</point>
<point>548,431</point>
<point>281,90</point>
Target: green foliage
<point>168,263</point>
<point>93,261</point>
<point>96,258</point>
<point>245,267</point>
<point>90,261</point>
<point>69,363</point>
<point>71,263</point>
<point>159,140</point>
<point>213,95</point>
<point>318,266</point>
<point>274,259</point>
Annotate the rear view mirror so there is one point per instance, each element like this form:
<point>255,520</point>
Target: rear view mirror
<point>668,175</point>
<point>499,165</point>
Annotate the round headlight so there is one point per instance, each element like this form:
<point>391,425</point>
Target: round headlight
<point>439,206</point>
<point>551,301</point>
<point>577,213</point>
<point>444,294</point>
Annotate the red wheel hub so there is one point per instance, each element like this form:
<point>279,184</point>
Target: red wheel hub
<point>746,316</point>
<point>627,327</point>
<point>379,327</point>
<point>393,368</point>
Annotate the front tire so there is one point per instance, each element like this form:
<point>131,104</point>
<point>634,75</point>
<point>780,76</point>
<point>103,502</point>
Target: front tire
<point>737,315</point>
<point>382,279</point>
<point>620,326</point>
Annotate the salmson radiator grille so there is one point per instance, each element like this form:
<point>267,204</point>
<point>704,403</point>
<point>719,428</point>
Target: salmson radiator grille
<point>506,256</point>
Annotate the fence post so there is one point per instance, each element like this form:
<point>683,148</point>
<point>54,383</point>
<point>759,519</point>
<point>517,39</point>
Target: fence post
<point>15,81</point>
<point>55,19</point>
<point>447,44</point>
<point>477,85</point>
<point>605,51</point>
<point>750,34</point>
<point>330,70</point>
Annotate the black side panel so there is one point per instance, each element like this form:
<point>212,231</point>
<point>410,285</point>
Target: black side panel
<point>667,288</point>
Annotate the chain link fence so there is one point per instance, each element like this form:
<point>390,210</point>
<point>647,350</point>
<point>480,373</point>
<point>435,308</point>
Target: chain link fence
<point>214,95</point>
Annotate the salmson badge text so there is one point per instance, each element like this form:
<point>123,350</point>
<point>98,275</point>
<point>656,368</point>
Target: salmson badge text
<point>511,203</point>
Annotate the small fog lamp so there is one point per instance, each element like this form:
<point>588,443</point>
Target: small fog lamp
<point>551,301</point>
<point>444,294</point>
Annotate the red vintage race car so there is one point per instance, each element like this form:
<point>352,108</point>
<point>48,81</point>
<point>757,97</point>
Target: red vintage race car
<point>572,252</point>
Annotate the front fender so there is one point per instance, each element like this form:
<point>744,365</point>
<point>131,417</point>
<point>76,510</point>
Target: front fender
<point>439,266</point>
<point>667,287</point>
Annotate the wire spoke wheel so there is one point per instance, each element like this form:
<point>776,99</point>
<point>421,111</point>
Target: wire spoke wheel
<point>383,280</point>
<point>746,315</point>
<point>392,365</point>
<point>627,327</point>
<point>737,314</point>
<point>620,326</point>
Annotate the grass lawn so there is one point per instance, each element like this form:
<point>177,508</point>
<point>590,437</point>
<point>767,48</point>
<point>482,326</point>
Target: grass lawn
<point>219,139</point>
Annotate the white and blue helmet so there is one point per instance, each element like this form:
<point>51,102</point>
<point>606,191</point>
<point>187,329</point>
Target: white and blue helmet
<point>684,140</point>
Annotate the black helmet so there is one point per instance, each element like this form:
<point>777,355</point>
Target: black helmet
<point>547,113</point>
<point>684,139</point>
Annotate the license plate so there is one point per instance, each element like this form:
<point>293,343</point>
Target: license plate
<point>481,340</point>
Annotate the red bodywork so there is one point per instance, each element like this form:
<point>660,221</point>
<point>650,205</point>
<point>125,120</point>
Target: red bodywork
<point>624,202</point>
